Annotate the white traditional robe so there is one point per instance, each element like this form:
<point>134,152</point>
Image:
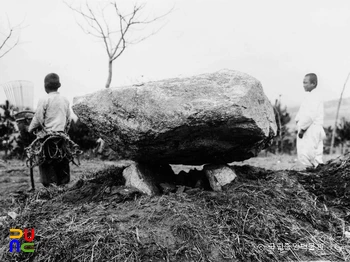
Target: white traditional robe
<point>310,118</point>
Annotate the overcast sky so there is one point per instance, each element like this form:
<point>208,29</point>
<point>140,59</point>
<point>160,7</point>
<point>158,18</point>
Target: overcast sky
<point>275,41</point>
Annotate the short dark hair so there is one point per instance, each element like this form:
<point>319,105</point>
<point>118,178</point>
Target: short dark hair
<point>52,81</point>
<point>313,78</point>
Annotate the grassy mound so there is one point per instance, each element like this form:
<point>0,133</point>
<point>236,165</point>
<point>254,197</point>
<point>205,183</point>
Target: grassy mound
<point>331,183</point>
<point>262,216</point>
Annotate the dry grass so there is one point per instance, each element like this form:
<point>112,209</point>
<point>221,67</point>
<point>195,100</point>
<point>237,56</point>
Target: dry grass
<point>98,220</point>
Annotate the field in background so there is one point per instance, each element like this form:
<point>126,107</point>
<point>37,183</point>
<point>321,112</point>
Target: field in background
<point>281,162</point>
<point>267,161</point>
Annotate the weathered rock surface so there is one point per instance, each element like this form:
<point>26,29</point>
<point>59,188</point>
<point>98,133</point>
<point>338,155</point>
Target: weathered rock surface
<point>219,175</point>
<point>141,178</point>
<point>150,180</point>
<point>210,118</point>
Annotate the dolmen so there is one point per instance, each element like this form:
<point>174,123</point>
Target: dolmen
<point>210,119</point>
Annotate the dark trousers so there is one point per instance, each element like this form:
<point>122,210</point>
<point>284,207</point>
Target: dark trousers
<point>55,172</point>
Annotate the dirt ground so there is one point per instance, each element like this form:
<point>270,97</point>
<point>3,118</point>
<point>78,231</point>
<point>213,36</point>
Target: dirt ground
<point>262,207</point>
<point>14,175</point>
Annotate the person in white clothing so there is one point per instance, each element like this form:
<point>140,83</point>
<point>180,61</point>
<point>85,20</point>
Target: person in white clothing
<point>309,121</point>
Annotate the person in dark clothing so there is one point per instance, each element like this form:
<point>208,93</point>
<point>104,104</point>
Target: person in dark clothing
<point>50,124</point>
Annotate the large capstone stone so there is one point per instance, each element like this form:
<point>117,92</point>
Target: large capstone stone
<point>210,118</point>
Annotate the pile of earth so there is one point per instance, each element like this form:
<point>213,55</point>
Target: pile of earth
<point>263,215</point>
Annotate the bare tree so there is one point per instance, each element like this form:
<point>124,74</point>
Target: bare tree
<point>9,39</point>
<point>115,35</point>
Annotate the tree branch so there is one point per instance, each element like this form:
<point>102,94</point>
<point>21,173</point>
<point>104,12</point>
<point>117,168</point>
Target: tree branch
<point>5,46</point>
<point>114,35</point>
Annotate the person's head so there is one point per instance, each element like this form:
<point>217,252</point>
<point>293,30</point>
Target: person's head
<point>52,82</point>
<point>310,82</point>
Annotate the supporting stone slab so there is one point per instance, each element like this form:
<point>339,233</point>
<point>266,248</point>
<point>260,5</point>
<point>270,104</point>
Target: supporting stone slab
<point>219,175</point>
<point>140,177</point>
